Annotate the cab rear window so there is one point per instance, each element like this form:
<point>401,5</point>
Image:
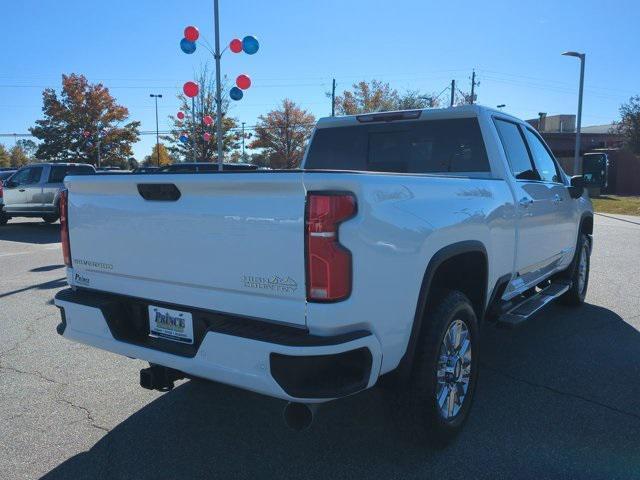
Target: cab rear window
<point>431,146</point>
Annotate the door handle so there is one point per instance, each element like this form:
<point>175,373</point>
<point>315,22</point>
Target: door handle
<point>557,199</point>
<point>525,202</point>
<point>21,189</point>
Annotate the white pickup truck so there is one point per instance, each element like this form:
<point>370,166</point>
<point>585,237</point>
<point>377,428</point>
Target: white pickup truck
<point>401,234</point>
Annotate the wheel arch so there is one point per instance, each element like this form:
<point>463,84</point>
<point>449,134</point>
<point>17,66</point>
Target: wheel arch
<point>468,255</point>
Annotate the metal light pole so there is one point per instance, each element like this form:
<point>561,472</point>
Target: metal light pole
<point>193,121</point>
<point>157,96</point>
<point>243,141</point>
<point>218,87</point>
<point>577,170</point>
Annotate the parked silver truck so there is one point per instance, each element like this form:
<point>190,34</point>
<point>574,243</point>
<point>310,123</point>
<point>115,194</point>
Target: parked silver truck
<point>34,190</point>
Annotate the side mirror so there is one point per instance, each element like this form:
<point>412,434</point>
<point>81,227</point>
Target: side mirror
<point>577,186</point>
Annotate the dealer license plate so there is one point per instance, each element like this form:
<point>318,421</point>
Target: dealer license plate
<point>170,324</point>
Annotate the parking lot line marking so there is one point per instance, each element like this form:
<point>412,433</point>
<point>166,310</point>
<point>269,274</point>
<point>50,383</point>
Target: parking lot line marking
<point>14,253</point>
<point>36,249</point>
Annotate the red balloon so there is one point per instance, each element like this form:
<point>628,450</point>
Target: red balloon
<point>190,89</point>
<point>207,120</point>
<point>191,33</point>
<point>243,81</point>
<point>236,45</point>
<point>207,136</point>
<point>180,115</point>
<point>86,133</point>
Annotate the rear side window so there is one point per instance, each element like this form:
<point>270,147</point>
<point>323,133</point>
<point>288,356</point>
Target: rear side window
<point>58,172</point>
<point>515,150</point>
<point>431,146</point>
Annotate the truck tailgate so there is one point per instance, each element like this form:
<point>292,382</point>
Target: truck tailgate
<point>229,243</point>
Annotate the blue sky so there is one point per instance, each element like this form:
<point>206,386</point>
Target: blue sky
<point>132,47</point>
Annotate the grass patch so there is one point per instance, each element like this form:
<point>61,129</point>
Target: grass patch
<point>616,204</point>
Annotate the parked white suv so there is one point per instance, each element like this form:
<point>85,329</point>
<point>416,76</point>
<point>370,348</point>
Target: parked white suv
<point>401,235</point>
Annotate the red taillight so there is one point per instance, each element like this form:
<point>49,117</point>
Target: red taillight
<point>328,262</point>
<point>64,227</point>
<point>1,186</point>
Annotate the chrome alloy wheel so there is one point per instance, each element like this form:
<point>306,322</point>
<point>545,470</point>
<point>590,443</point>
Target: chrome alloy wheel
<point>454,369</point>
<point>582,268</point>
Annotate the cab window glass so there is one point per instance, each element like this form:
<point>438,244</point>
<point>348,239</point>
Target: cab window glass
<point>34,175</point>
<point>544,162</point>
<point>515,150</point>
<point>27,176</point>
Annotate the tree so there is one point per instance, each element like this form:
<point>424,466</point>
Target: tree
<point>29,147</point>
<point>165,157</point>
<point>4,157</point>
<point>83,118</point>
<point>378,96</point>
<point>375,96</point>
<point>282,134</point>
<point>629,124</point>
<point>196,148</point>
<point>17,156</point>
<point>414,99</point>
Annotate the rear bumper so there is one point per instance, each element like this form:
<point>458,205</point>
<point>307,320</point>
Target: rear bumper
<point>279,361</point>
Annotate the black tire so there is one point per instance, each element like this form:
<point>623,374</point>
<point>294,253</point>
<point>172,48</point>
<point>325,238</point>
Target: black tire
<point>578,291</point>
<point>4,218</point>
<point>420,403</point>
<point>50,218</point>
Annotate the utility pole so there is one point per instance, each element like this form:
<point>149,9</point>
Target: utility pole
<point>243,142</point>
<point>333,98</point>
<point>218,86</point>
<point>473,85</point>
<point>157,129</point>
<point>453,91</point>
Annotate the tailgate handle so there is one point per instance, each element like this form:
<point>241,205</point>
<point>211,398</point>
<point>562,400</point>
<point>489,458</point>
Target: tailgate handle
<point>161,192</point>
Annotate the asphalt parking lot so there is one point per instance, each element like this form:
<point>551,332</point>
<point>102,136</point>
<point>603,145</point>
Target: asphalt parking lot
<point>558,398</point>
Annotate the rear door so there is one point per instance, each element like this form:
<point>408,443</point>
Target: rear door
<point>538,246</point>
<point>565,211</point>
<point>33,188</point>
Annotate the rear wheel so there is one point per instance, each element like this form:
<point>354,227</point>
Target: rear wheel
<point>445,370</point>
<point>50,218</point>
<point>579,274</point>
<point>3,218</point>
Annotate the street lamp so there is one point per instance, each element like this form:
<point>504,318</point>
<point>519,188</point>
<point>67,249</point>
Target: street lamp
<point>501,106</point>
<point>576,158</point>
<point>157,96</point>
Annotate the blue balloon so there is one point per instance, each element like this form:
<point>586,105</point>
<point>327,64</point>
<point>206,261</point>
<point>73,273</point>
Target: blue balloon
<point>184,138</point>
<point>187,46</point>
<point>235,93</point>
<point>250,44</point>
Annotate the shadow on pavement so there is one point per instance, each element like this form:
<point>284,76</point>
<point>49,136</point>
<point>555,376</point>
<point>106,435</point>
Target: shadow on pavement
<point>30,232</point>
<point>51,284</point>
<point>46,268</point>
<point>544,409</point>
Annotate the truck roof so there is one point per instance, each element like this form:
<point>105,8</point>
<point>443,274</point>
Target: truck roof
<point>64,164</point>
<point>462,111</point>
